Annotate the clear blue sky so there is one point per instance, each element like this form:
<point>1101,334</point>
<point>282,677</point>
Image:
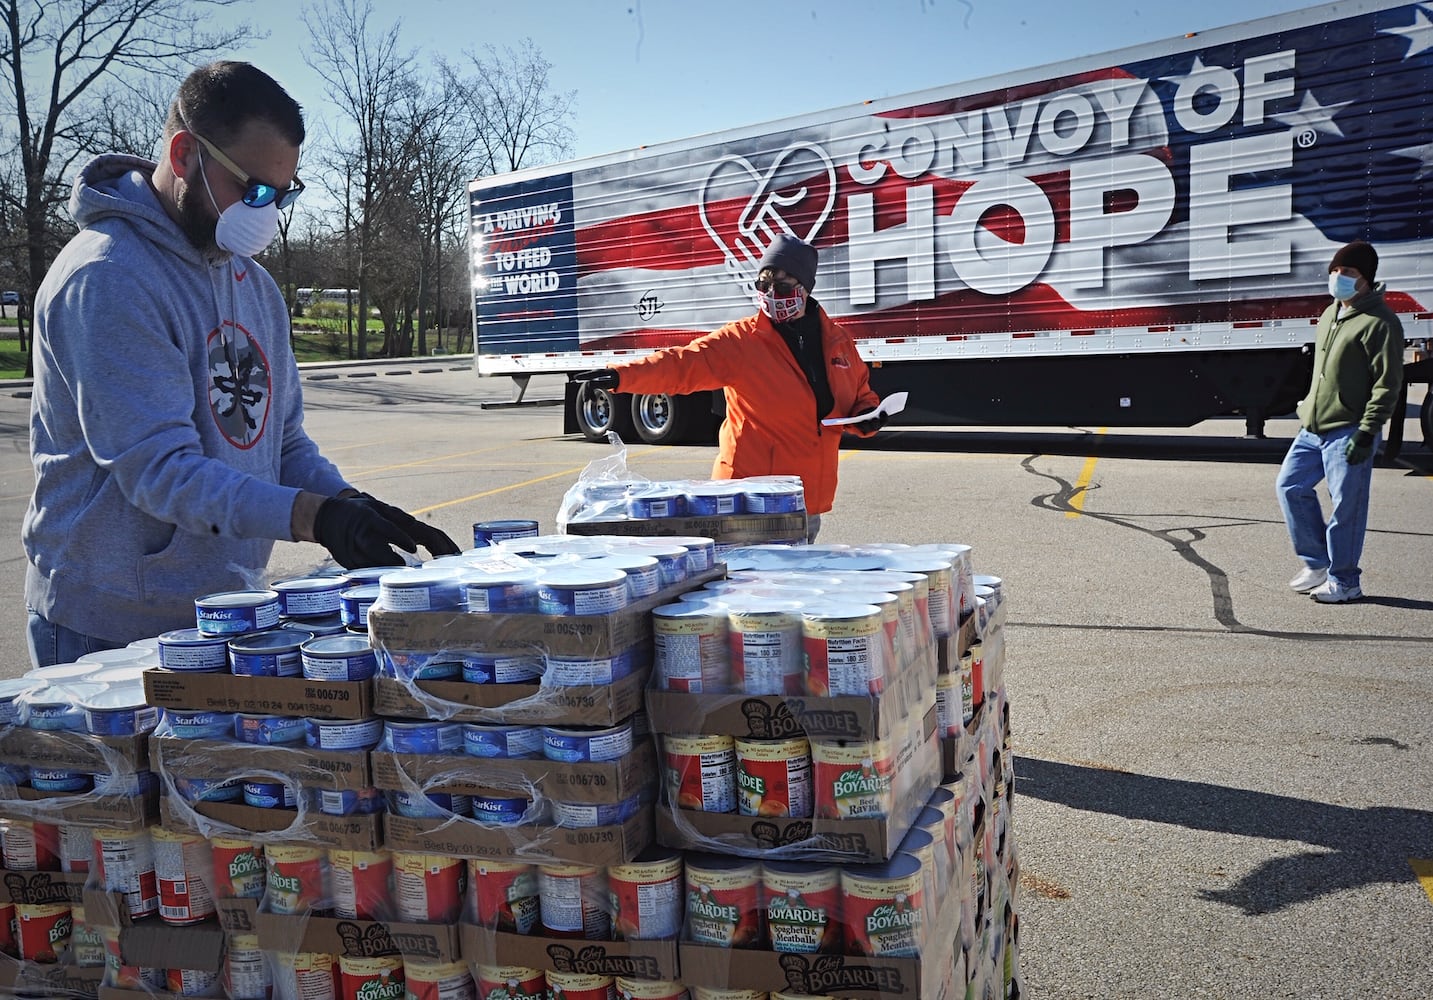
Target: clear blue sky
<point>648,71</point>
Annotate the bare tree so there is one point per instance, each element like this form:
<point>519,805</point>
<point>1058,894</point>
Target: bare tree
<point>127,117</point>
<point>367,77</point>
<point>53,53</point>
<point>520,119</point>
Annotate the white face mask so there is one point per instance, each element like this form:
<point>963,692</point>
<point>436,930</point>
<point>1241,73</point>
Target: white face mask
<point>1341,286</point>
<point>779,308</point>
<point>243,229</point>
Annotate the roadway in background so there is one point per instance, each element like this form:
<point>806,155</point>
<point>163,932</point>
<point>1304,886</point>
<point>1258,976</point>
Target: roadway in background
<point>1223,789</point>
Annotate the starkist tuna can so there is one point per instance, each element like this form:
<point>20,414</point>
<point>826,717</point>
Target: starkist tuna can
<point>510,982</point>
<point>347,801</point>
<point>269,794</point>
<point>881,908</point>
<point>425,737</point>
<point>587,671</point>
<point>310,596</point>
<point>586,815</point>
<point>506,895</point>
<point>200,725</point>
<point>501,668</point>
<point>422,588</point>
<point>701,552</point>
<point>701,772</point>
<point>723,901</point>
<point>354,603</point>
<point>691,650</point>
<point>378,978</point>
<point>428,805</point>
<point>509,591</point>
<point>646,503</point>
<point>671,558</point>
<point>268,730</point>
<point>773,777</point>
<point>208,789</point>
<point>501,810</point>
<point>487,533</point>
<point>771,495</point>
<point>119,710</point>
<point>274,653</point>
<point>580,986</point>
<point>643,579</point>
<point>360,883</point>
<point>343,734</point>
<point>853,778</point>
<point>574,902</point>
<point>236,612</point>
<point>46,779</point>
<point>191,651</point>
<point>238,868</point>
<point>802,903</point>
<point>582,744</point>
<point>647,896</point>
<point>575,589</point>
<point>295,877</point>
<point>438,980</point>
<point>503,742</point>
<point>715,499</point>
<point>338,658</point>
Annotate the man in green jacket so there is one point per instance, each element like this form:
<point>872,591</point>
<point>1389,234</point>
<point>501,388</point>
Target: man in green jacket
<point>1358,372</point>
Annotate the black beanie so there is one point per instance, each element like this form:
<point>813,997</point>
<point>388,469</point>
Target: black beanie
<point>794,257</point>
<point>1360,255</point>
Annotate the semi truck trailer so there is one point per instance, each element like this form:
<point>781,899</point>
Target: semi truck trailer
<point>1139,238</point>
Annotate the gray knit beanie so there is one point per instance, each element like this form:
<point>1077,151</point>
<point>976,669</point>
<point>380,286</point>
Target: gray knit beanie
<point>794,257</point>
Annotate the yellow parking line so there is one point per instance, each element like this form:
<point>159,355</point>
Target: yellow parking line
<point>1082,485</point>
<point>514,486</point>
<point>1423,869</point>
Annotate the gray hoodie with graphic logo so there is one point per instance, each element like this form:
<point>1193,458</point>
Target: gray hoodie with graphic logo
<point>166,425</point>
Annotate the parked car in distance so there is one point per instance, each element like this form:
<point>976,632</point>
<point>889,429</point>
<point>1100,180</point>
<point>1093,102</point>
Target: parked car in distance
<point>10,298</point>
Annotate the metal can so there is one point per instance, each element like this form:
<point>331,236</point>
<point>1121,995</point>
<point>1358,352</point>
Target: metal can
<point>193,982</point>
<point>183,866</point>
<point>426,737</point>
<point>268,730</point>
<point>269,795</point>
<point>765,638</point>
<point>343,734</point>
<point>580,986</point>
<point>699,993</point>
<point>506,894</point>
<point>371,978</point>
<point>583,744</point>
<point>42,931</point>
<point>649,989</point>
<point>28,846</point>
<point>802,903</point>
<point>486,533</point>
<point>586,815</point>
<point>657,500</point>
<point>967,686</point>
<point>87,948</point>
<point>853,778</point>
<point>881,908</point>
<point>201,725</point>
<point>46,779</point>
<point>429,805</point>
<point>843,646</point>
<point>510,982</point>
<point>948,719</point>
<point>305,975</point>
<point>723,901</point>
<point>295,878</point>
<point>274,653</point>
<point>208,789</point>
<point>76,848</point>
<point>773,777</point>
<point>347,801</point>
<point>643,578</point>
<point>236,612</point>
<point>573,902</point>
<point>691,648</point>
<point>309,597</point>
<point>647,896</point>
<point>714,499</point>
<point>701,772</point>
<point>587,671</point>
<point>125,976</point>
<point>359,880</point>
<point>338,658</point>
<point>238,868</point>
<point>512,591</point>
<point>119,710</point>
<point>354,603</point>
<point>501,741</point>
<point>501,809</point>
<point>501,668</point>
<point>246,976</point>
<point>192,651</point>
<point>428,888</point>
<point>125,862</point>
<point>423,588</point>
<point>574,589</point>
<point>671,557</point>
<point>438,981</point>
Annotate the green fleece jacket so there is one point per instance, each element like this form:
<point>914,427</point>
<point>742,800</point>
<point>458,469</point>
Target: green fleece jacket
<point>1358,367</point>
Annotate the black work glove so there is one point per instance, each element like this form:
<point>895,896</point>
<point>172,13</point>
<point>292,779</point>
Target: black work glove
<point>1359,448</point>
<point>356,534</point>
<point>435,540</point>
<point>600,378</point>
<point>873,424</point>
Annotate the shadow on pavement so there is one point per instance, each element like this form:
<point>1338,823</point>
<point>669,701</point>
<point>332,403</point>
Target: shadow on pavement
<point>1349,848</point>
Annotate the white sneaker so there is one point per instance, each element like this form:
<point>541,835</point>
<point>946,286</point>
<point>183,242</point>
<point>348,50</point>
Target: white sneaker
<point>1309,579</point>
<point>1332,593</point>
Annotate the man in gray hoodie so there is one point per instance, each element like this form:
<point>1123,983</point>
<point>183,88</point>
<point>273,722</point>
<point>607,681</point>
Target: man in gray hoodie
<point>166,425</point>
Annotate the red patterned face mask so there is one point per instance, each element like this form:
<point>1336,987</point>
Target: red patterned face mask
<point>781,308</point>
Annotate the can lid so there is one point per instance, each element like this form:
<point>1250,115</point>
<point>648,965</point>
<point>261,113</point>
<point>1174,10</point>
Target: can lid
<point>719,488</point>
<point>719,863</point>
<point>659,547</point>
<point>828,610</point>
<point>115,696</point>
<point>515,524</point>
<point>337,646</point>
<point>917,562</point>
<point>330,625</point>
<point>576,576</point>
<point>900,866</point>
<point>274,640</point>
<point>796,867</point>
<point>419,576</point>
<point>236,599</point>
<point>360,592</point>
<point>625,561</point>
<point>688,609</point>
<point>64,693</point>
<point>59,673</point>
<point>191,637</point>
<point>120,674</point>
<point>366,574</point>
<point>498,577</point>
<point>13,687</point>
<point>690,541</point>
<point>310,584</point>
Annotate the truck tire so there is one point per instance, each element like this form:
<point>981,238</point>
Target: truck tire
<point>662,419</point>
<point>598,411</point>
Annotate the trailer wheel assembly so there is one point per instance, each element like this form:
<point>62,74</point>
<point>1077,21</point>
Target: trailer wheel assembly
<point>661,419</point>
<point>599,411</point>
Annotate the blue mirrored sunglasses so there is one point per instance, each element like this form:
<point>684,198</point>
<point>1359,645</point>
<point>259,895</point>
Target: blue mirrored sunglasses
<point>257,194</point>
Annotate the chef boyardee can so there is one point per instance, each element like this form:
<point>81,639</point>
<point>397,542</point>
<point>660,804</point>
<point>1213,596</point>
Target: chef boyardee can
<point>438,980</point>
<point>309,597</point>
<point>184,867</point>
<point>647,896</point>
<point>274,653</point>
<point>506,894</point>
<point>295,877</point>
<point>371,978</point>
<point>428,888</point>
<point>42,931</point>
<point>238,868</point>
<point>881,908</point>
<point>237,612</point>
<point>853,778</point>
<point>650,989</point>
<point>246,976</point>
<point>802,907</point>
<point>843,646</point>
<point>574,902</point>
<point>691,649</point>
<point>360,883</point>
<point>580,986</point>
<point>701,772</point>
<point>766,654</point>
<point>338,658</point>
<point>510,982</point>
<point>773,777</point>
<point>486,533</point>
<point>305,975</point>
<point>125,859</point>
<point>723,901</point>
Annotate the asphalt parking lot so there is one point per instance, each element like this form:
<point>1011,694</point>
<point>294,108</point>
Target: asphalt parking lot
<point>1223,788</point>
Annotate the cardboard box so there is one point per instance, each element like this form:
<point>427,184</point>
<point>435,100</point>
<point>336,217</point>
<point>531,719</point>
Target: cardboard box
<point>628,959</point>
<point>359,938</point>
<point>724,529</point>
<point>119,812</point>
<point>587,782</point>
<point>275,695</point>
<point>541,844</point>
<point>238,916</point>
<point>925,977</point>
<point>597,636</point>
<point>334,770</point>
<point>355,833</point>
<point>459,701</point>
<point>775,717</point>
<point>34,979</point>
<point>42,888</point>
<point>74,751</point>
<point>152,943</point>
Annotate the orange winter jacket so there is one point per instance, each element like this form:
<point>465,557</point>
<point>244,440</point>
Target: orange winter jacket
<point>771,427</point>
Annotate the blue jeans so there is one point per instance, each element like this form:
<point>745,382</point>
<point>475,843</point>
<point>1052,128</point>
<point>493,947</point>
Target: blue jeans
<point>1337,545</point>
<point>51,643</point>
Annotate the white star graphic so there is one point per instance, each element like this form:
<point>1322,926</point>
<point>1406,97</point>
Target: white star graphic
<point>1198,69</point>
<point>1313,115</point>
<point>1419,33</point>
<point>1423,153</point>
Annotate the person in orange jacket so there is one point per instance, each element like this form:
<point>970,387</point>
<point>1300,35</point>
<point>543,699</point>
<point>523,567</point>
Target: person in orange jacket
<point>783,370</point>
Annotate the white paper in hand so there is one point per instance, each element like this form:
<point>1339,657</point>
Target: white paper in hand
<point>890,406</point>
